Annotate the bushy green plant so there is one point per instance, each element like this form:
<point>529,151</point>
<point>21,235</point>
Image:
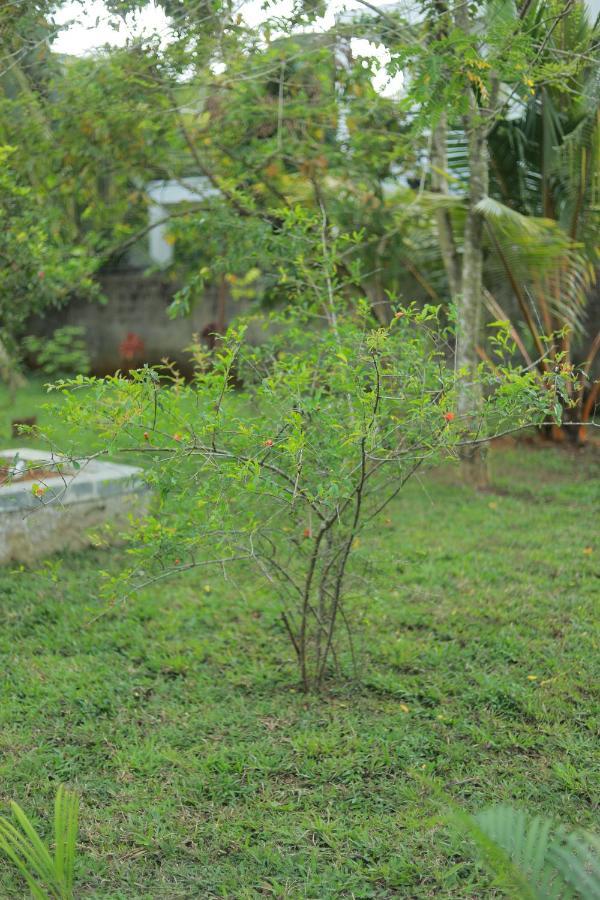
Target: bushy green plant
<point>284,456</point>
<point>36,270</point>
<point>532,857</point>
<point>64,353</point>
<point>48,876</point>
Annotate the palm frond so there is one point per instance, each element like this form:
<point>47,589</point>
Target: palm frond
<point>48,877</point>
<point>578,171</point>
<point>66,812</point>
<point>533,858</point>
<point>513,223</point>
<point>576,856</point>
<point>537,251</point>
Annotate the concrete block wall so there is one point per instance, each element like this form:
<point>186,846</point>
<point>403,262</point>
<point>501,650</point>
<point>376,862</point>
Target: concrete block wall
<point>137,304</point>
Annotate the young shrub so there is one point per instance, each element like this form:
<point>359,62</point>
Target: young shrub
<point>289,471</point>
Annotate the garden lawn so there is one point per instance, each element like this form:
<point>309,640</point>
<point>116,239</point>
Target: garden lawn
<point>204,772</point>
<point>28,403</point>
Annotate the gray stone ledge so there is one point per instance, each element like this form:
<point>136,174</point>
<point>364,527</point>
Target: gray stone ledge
<point>73,504</point>
<point>94,479</point>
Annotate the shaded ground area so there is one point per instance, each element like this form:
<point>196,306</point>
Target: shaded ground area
<point>204,772</point>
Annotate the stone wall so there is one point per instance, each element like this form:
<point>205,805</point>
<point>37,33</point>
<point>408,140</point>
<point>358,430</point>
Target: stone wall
<point>137,305</point>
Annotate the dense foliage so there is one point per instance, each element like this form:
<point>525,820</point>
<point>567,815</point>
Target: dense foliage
<point>34,272</point>
<point>285,113</point>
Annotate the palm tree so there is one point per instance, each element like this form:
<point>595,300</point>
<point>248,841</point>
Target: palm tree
<point>545,163</point>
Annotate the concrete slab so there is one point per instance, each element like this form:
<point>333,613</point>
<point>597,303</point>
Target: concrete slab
<point>65,509</point>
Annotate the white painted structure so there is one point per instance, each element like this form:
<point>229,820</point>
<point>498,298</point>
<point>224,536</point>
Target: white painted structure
<point>162,195</point>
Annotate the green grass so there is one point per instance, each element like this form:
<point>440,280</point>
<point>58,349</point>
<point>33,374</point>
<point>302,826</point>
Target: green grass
<point>204,772</point>
<point>29,402</point>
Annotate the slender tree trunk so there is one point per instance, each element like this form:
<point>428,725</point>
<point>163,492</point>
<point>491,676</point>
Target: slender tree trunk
<point>465,276</point>
<point>470,301</point>
<point>439,178</point>
<point>469,307</point>
<point>9,372</point>
<point>222,307</point>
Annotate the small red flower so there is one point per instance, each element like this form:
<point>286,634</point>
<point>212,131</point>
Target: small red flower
<point>268,443</point>
<point>449,416</point>
<point>177,561</point>
<point>146,436</point>
<point>307,533</point>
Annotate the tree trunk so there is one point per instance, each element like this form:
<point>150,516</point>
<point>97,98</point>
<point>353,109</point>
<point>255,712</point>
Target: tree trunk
<point>439,176</point>
<point>470,300</point>
<point>469,308</point>
<point>9,372</point>
<point>439,179</point>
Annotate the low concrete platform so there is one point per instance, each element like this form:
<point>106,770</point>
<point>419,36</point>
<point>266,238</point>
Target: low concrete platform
<point>62,507</point>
